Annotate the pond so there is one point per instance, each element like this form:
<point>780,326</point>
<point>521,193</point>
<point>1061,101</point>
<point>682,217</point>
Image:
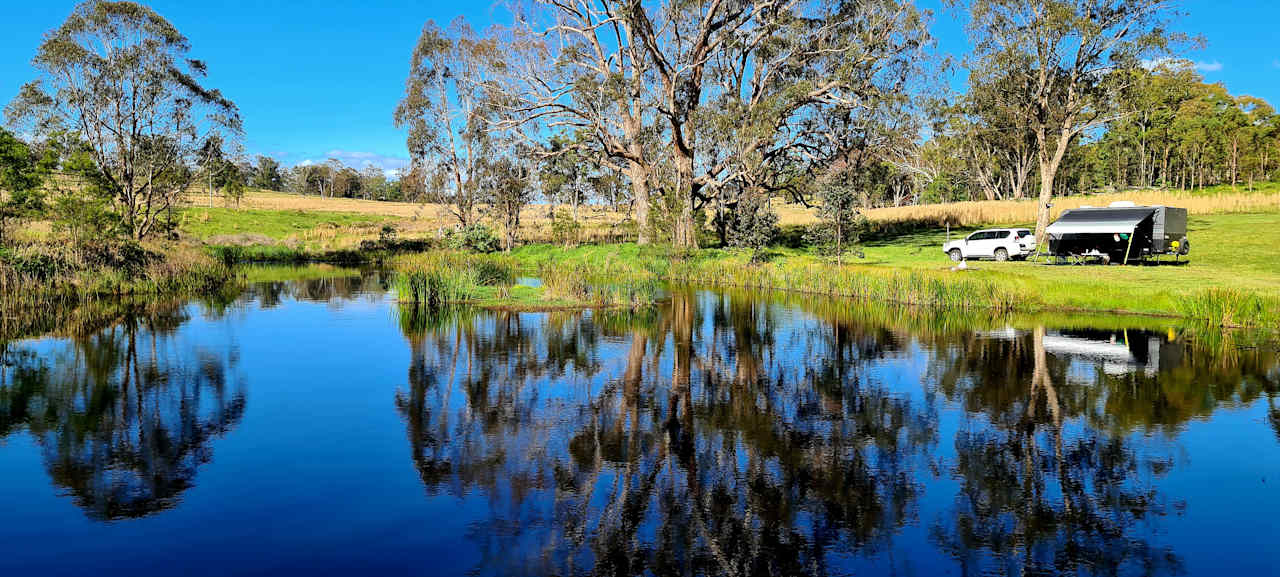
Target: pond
<point>316,427</point>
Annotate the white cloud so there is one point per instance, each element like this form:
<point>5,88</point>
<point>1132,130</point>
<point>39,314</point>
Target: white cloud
<point>1203,66</point>
<point>307,162</point>
<point>361,159</point>
<point>1183,64</point>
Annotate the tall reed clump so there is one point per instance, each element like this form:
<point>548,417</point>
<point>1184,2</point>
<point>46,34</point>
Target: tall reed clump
<point>439,278</point>
<point>1228,307</point>
<point>46,273</point>
<point>610,283</point>
<point>915,288</point>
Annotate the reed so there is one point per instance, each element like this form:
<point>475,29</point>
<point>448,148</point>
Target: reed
<point>34,275</point>
<point>439,278</point>
<point>1229,307</point>
<point>609,283</point>
<point>944,290</point>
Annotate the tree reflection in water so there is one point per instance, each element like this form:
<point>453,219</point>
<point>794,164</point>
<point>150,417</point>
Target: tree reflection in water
<point>1052,481</point>
<point>703,449</point>
<point>714,437</point>
<point>123,416</point>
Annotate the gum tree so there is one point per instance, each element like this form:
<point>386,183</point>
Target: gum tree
<point>448,109</point>
<point>1064,51</point>
<point>117,76</point>
<point>579,66</point>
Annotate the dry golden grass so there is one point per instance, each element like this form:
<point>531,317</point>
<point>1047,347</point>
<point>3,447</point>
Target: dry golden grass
<point>414,219</point>
<point>1022,211</point>
<point>599,224</point>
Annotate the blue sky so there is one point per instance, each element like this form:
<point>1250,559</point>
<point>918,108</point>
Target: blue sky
<point>320,79</point>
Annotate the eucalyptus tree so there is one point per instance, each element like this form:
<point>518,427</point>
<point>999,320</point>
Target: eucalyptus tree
<point>22,176</point>
<point>578,64</point>
<point>680,40</point>
<point>212,159</point>
<point>747,89</point>
<point>797,89</point>
<point>448,108</point>
<point>1063,51</point>
<point>267,175</point>
<point>117,75</point>
<point>998,141</point>
<point>509,188</point>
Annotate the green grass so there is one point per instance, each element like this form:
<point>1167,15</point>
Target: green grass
<point>205,223</point>
<point>283,272</point>
<point>442,278</point>
<point>1230,251</point>
<point>1232,278</point>
<point>40,275</point>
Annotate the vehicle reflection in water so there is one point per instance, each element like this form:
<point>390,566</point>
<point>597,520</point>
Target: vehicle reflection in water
<point>735,436</point>
<point>124,418</point>
<point>718,433</point>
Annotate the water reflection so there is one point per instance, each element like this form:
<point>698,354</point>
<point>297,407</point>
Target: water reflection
<point>719,433</point>
<point>726,435</point>
<point>123,416</point>
<point>700,448</point>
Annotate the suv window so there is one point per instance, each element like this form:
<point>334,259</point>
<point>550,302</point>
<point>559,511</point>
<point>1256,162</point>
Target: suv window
<point>982,235</point>
<point>1024,233</point>
<point>1000,234</point>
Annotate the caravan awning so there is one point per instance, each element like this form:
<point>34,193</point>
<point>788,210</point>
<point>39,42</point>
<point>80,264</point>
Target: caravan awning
<point>1100,220</point>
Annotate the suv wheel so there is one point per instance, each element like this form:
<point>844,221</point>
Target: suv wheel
<point>955,255</point>
<point>1002,254</point>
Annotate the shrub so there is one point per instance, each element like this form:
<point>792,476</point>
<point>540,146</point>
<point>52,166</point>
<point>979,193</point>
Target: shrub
<point>752,225</point>
<point>474,237</point>
<point>564,228</point>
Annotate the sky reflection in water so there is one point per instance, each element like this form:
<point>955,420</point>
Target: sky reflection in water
<point>316,427</point>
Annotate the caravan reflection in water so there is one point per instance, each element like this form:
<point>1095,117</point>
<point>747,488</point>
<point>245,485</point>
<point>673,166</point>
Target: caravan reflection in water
<point>319,428</point>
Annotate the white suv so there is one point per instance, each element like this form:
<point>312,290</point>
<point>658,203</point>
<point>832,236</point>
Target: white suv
<point>998,243</point>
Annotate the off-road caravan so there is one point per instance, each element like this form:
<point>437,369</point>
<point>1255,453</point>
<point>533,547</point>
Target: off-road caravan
<point>1122,232</point>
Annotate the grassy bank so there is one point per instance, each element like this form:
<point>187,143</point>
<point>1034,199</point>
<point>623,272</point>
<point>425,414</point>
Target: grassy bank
<point>441,278</point>
<point>40,273</point>
<point>1232,278</point>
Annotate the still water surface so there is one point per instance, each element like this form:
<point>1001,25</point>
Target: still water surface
<point>318,428</point>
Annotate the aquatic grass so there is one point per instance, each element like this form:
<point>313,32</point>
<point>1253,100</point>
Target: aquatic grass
<point>154,270</point>
<point>944,290</point>
<point>1229,307</point>
<point>609,283</point>
<point>443,277</point>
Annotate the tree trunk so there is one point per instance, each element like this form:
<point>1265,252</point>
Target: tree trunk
<point>684,235</point>
<point>639,177</point>
<point>1048,172</point>
<point>1235,161</point>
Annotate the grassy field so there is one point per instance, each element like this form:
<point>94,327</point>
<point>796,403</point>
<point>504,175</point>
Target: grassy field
<point>215,224</point>
<point>341,223</point>
<point>1233,276</point>
<point>1213,200</point>
<point>1233,254</point>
